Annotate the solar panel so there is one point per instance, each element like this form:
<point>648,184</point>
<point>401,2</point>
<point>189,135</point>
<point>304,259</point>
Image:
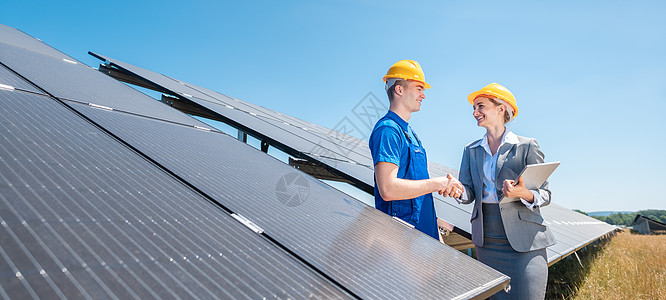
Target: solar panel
<point>340,144</point>
<point>78,82</point>
<point>147,180</point>
<point>285,133</point>
<point>83,216</point>
<point>13,36</point>
<point>9,80</point>
<point>303,129</point>
<point>571,229</point>
<point>362,173</point>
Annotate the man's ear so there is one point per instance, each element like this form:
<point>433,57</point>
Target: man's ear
<point>398,89</point>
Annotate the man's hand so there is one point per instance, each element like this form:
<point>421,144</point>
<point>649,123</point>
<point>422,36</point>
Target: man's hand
<point>393,188</point>
<point>451,187</point>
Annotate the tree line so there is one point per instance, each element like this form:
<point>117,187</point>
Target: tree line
<point>628,218</point>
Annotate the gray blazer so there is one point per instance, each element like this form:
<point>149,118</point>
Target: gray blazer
<point>524,228</point>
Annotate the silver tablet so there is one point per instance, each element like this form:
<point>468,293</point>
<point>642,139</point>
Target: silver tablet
<point>534,176</point>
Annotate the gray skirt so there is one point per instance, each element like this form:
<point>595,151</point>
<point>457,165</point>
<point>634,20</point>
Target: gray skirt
<point>528,270</point>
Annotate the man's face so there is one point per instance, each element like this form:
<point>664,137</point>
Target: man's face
<point>413,95</point>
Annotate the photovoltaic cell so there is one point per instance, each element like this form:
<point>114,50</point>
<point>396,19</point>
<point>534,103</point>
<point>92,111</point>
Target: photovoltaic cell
<point>13,36</point>
<point>260,121</point>
<point>294,125</point>
<point>341,144</point>
<point>8,78</point>
<point>83,216</point>
<point>571,229</point>
<point>78,82</point>
<point>358,246</point>
<point>361,172</point>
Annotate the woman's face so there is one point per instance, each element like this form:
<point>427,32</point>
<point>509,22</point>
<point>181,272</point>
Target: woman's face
<point>486,113</point>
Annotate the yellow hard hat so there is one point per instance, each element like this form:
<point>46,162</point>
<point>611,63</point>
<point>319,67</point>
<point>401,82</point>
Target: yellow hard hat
<point>496,90</point>
<point>408,70</point>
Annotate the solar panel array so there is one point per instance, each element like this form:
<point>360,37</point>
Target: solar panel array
<point>351,157</point>
<point>337,151</point>
<point>334,150</point>
<point>15,37</point>
<point>646,225</point>
<point>108,193</point>
<point>85,217</point>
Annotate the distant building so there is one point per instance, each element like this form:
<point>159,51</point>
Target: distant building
<point>645,225</point>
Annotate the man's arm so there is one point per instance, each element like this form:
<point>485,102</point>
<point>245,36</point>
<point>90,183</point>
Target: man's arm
<point>393,188</point>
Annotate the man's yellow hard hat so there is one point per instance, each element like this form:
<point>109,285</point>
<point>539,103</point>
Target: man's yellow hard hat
<point>496,90</point>
<point>408,70</point>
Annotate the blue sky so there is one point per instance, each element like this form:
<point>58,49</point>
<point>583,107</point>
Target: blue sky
<point>589,78</point>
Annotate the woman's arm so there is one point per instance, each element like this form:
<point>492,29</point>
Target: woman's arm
<point>540,196</point>
<point>465,177</point>
<point>535,156</point>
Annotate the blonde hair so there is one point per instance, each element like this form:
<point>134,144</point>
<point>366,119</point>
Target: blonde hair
<point>508,116</point>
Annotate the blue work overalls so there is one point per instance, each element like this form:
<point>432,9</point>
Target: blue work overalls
<point>419,211</point>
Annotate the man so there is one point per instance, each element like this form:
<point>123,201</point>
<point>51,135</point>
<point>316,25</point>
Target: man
<point>403,188</point>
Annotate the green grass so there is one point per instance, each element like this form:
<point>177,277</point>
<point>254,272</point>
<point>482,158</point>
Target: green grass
<point>630,266</point>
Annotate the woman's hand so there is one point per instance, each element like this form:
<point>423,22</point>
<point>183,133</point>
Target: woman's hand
<point>454,188</point>
<point>513,189</point>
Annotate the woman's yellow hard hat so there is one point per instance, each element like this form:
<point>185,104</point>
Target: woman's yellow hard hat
<point>408,70</point>
<point>496,90</point>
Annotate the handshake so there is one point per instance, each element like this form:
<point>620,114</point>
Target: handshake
<point>449,186</point>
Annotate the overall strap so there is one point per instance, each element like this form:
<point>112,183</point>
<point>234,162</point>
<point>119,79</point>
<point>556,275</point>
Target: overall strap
<point>407,136</point>
<point>416,136</point>
<point>409,151</point>
<point>409,141</point>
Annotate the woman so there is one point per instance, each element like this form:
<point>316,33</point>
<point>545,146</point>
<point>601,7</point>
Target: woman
<point>510,237</point>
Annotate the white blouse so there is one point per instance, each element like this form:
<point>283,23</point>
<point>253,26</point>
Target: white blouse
<point>489,167</point>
